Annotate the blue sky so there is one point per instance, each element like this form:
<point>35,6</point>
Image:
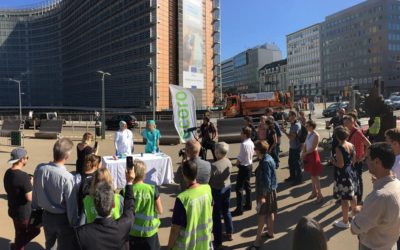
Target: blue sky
<point>246,23</point>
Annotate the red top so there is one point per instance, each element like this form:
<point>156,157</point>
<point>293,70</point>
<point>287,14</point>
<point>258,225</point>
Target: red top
<point>357,139</point>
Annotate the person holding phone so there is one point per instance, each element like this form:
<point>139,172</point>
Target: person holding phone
<point>152,136</point>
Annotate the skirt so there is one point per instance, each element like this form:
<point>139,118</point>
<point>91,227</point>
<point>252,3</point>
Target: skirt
<point>270,206</point>
<point>312,164</point>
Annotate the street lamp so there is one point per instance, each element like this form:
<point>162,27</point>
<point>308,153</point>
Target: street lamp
<point>103,104</point>
<point>19,93</point>
<point>153,92</point>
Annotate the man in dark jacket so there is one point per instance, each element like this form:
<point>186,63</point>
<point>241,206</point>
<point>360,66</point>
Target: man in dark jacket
<point>104,232</point>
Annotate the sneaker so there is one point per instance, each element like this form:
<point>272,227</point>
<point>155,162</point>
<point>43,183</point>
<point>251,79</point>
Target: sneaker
<point>341,224</point>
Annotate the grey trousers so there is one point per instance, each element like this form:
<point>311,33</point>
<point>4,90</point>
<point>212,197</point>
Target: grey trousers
<point>58,233</point>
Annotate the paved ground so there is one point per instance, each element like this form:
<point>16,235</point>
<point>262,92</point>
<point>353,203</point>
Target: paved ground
<point>291,200</point>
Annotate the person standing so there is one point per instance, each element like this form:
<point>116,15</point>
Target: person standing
<point>345,183</point>
<point>361,143</point>
<point>83,149</point>
<point>266,185</point>
<point>312,107</point>
<point>192,215</point>
<point>245,164</point>
<point>105,232</point>
<point>53,190</point>
<point>335,121</point>
<point>294,149</point>
<point>123,140</point>
<point>302,118</point>
<point>272,140</point>
<point>278,131</point>
<point>152,136</point>
<point>248,122</point>
<point>18,186</point>
<point>208,135</point>
<point>378,222</point>
<point>312,161</point>
<point>392,137</point>
<point>262,128</point>
<point>220,183</point>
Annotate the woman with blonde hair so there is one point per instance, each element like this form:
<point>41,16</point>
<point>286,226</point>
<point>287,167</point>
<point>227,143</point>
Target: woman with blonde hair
<point>83,149</point>
<point>148,206</point>
<point>90,214</point>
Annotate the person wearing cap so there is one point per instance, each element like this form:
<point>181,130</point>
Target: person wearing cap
<point>123,140</point>
<point>18,186</point>
<point>152,136</point>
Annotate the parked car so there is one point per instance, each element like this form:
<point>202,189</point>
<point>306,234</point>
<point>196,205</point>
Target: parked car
<point>394,94</point>
<point>34,118</point>
<point>332,109</point>
<point>389,103</point>
<point>395,102</point>
<point>130,120</point>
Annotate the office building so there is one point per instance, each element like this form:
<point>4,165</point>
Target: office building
<point>57,47</point>
<point>304,61</point>
<point>273,76</point>
<point>361,46</point>
<point>240,73</point>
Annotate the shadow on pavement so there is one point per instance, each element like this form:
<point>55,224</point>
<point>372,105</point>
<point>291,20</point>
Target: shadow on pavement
<point>5,244</point>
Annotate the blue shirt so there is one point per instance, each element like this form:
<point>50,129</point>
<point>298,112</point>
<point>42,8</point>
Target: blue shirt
<point>152,139</point>
<point>295,128</point>
<point>266,176</point>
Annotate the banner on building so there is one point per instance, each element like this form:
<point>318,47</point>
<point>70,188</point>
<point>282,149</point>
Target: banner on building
<point>193,44</point>
<point>184,108</point>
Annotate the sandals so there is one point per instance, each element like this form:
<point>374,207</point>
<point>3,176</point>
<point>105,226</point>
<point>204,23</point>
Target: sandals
<point>267,235</point>
<point>320,199</point>
<point>312,196</point>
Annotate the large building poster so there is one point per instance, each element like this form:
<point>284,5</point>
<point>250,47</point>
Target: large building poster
<point>193,44</point>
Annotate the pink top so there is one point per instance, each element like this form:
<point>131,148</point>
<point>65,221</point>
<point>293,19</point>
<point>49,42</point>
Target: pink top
<point>262,131</point>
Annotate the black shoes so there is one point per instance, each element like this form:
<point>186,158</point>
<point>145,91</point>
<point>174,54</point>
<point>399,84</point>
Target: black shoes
<point>246,208</point>
<point>289,179</point>
<point>237,213</point>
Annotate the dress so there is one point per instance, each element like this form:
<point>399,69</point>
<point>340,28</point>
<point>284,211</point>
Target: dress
<point>345,184</point>
<point>312,161</point>
<point>266,185</point>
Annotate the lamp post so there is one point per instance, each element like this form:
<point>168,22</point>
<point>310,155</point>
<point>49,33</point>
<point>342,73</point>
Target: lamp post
<point>153,92</point>
<point>103,104</point>
<point>19,93</point>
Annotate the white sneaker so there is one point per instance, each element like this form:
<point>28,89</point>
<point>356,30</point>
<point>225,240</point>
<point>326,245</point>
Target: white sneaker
<point>341,224</point>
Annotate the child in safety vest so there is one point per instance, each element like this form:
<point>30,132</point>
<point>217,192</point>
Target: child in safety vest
<point>90,212</point>
<point>148,206</point>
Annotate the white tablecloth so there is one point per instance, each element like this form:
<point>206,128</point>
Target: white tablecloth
<point>159,169</point>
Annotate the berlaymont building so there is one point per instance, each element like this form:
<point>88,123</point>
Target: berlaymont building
<point>56,48</point>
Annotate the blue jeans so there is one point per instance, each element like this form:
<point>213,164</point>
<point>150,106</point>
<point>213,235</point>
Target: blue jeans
<point>294,164</point>
<point>221,200</point>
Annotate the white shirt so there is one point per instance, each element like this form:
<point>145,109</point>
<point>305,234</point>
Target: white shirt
<point>396,167</point>
<point>246,152</point>
<point>309,141</point>
<point>124,142</point>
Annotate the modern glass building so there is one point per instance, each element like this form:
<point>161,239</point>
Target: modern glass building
<point>57,48</point>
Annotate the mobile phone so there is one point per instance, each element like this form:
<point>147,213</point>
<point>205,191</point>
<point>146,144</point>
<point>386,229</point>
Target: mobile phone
<point>95,144</point>
<point>129,162</point>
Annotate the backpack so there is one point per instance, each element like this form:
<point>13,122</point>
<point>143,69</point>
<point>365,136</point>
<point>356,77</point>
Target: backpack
<point>302,136</point>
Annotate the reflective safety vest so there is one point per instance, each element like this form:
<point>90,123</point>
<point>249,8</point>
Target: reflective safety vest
<point>90,209</point>
<point>197,204</point>
<point>146,218</point>
<point>376,126</point>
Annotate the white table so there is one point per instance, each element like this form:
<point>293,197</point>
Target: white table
<point>159,169</point>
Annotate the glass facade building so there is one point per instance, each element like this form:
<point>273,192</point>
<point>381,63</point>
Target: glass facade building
<point>56,49</point>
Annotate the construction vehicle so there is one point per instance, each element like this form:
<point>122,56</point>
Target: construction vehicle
<point>254,104</point>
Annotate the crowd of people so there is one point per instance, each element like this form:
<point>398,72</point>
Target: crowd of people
<point>85,211</point>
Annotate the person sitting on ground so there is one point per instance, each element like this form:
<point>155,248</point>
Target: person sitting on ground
<point>92,163</point>
<point>208,135</point>
<point>123,140</point>
<point>378,222</point>
<point>312,161</point>
<point>248,122</point>
<point>309,235</point>
<point>101,175</point>
<point>83,149</point>
<point>220,183</point>
<point>18,186</point>
<point>346,182</point>
<point>192,213</point>
<point>152,136</point>
<point>266,185</point>
<point>192,149</point>
<point>144,230</point>
<point>106,233</point>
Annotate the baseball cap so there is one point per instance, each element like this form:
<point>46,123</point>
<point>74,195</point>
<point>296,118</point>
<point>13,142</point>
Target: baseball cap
<point>16,155</point>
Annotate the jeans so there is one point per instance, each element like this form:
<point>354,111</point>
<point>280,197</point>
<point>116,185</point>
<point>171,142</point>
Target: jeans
<point>24,233</point>
<point>359,169</point>
<point>294,164</point>
<point>221,206</point>
<point>243,181</point>
<point>58,233</point>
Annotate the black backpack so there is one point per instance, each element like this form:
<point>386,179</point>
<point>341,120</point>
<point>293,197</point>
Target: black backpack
<point>302,136</point>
